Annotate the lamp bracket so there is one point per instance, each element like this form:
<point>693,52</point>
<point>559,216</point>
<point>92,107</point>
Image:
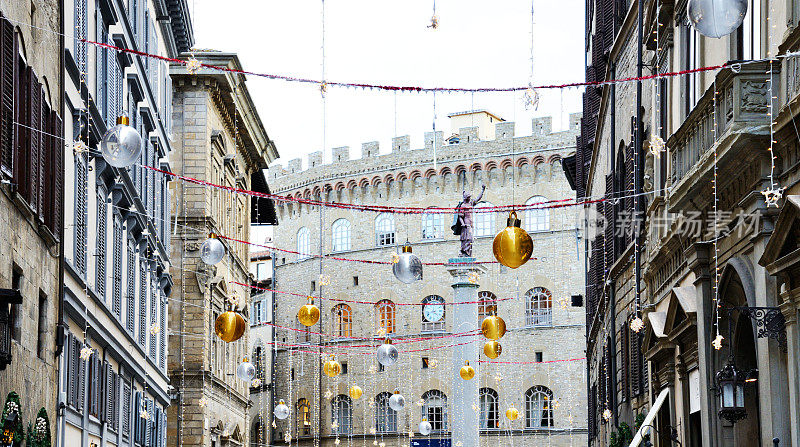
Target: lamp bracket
<point>769,322</point>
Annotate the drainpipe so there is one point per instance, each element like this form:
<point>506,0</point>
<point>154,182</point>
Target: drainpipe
<point>61,325</point>
<point>612,295</point>
<point>273,339</point>
<point>637,180</point>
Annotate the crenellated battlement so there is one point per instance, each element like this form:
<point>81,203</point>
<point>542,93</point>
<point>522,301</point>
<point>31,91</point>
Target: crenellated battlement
<point>461,152</point>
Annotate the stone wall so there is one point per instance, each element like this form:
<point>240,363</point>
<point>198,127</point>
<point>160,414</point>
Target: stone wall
<point>514,170</point>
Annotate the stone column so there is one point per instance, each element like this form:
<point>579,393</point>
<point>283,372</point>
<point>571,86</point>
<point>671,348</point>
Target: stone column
<point>463,420</point>
<point>789,308</point>
<point>697,258</point>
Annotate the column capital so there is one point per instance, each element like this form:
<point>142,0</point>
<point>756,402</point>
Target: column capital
<point>462,268</point>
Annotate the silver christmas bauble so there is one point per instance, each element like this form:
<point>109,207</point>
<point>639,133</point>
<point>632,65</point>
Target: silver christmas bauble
<point>246,371</point>
<point>212,251</point>
<point>281,410</point>
<point>716,18</point>
<point>121,145</point>
<point>387,354</point>
<point>397,402</point>
<point>425,428</point>
<point>408,267</point>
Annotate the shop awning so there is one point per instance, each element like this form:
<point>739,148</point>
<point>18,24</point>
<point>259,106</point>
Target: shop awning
<point>647,424</point>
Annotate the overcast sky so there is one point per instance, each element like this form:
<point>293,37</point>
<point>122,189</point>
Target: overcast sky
<point>478,44</point>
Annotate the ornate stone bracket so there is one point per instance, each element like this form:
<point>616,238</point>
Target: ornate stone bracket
<point>769,322</point>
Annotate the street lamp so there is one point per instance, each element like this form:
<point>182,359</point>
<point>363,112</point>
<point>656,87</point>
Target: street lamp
<point>730,385</point>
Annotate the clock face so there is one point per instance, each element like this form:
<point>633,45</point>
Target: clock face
<point>433,312</point>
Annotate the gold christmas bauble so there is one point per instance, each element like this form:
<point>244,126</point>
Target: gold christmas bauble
<point>332,368</point>
<point>308,315</point>
<point>512,246</point>
<point>467,372</point>
<point>493,327</point>
<point>355,392</point>
<point>230,326</point>
<point>512,414</point>
<point>492,349</point>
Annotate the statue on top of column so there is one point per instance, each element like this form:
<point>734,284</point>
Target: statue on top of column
<point>463,222</point>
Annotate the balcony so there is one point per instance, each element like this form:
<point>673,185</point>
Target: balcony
<point>742,119</point>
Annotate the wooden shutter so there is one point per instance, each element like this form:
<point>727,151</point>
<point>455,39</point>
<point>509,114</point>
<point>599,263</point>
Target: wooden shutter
<point>81,218</point>
<point>592,412</point>
<point>116,304</point>
<point>102,242</point>
<point>148,424</point>
<point>101,55</point>
<point>143,291</point>
<point>608,217</point>
<point>81,32</point>
<point>69,376</point>
<point>162,354</point>
<point>56,176</point>
<point>8,52</point>
<point>635,343</point>
<point>153,316</point>
<point>34,141</point>
<point>601,378</point>
<point>625,351</point>
<point>135,414</point>
<point>130,290</point>
<point>21,133</point>
<point>127,409</point>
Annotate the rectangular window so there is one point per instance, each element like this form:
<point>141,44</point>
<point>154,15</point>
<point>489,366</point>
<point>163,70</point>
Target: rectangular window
<point>539,357</point>
<point>15,312</point>
<point>355,281</point>
<point>432,226</point>
<point>41,333</point>
<point>313,286</point>
<point>424,362</point>
<point>344,367</point>
<point>577,300</point>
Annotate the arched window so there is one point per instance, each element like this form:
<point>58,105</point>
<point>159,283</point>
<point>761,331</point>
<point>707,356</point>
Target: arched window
<point>303,244</point>
<point>341,235</point>
<point>434,409</point>
<point>303,419</point>
<point>341,415</point>
<point>257,360</point>
<point>538,407</point>
<point>258,433</point>
<point>489,409</point>
<point>487,306</point>
<point>384,230</point>
<point>385,417</point>
<point>384,316</point>
<point>432,226</point>
<point>484,222</point>
<point>342,321</point>
<point>537,218</point>
<point>433,313</point>
<point>538,307</point>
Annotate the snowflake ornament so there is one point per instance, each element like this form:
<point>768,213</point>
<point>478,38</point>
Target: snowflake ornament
<point>531,97</point>
<point>202,402</point>
<point>79,147</point>
<point>274,425</point>
<point>328,394</point>
<point>324,280</point>
<point>323,88</point>
<point>193,65</point>
<point>717,343</point>
<point>498,379</point>
<point>657,145</point>
<point>372,430</point>
<point>335,425</point>
<point>255,382</point>
<point>381,332</point>
<point>434,22</point>
<point>287,438</point>
<point>86,353</point>
<point>637,324</point>
<point>144,414</point>
<point>420,402</point>
<point>772,196</point>
<point>155,329</point>
<point>395,258</point>
<point>474,277</point>
<point>336,441</point>
<point>606,414</point>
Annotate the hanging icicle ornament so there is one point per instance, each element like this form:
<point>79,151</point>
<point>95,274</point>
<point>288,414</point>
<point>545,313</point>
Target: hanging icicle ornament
<point>772,196</point>
<point>512,414</point>
<point>716,18</point>
<point>387,354</point>
<point>246,371</point>
<point>332,368</point>
<point>717,343</point>
<point>657,145</point>
<point>397,401</point>
<point>308,315</point>
<point>281,410</point>
<point>493,327</point>
<point>408,267</point>
<point>86,353</point>
<point>212,251</point>
<point>230,326</point>
<point>121,145</point>
<point>467,372</point>
<point>637,324</point>
<point>513,246</point>
<point>193,65</point>
<point>492,349</point>
<point>607,414</point>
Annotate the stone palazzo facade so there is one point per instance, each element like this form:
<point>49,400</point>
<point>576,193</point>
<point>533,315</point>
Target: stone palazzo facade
<point>540,301</point>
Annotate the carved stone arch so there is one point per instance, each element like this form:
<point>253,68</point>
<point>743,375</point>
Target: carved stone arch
<point>505,163</point>
<point>339,186</point>
<point>363,183</point>
<point>445,170</point>
<point>475,167</point>
<point>430,173</point>
<point>460,169</point>
<point>376,181</point>
<point>522,161</point>
<point>415,174</point>
<point>307,193</point>
<point>744,269</point>
<point>554,158</point>
<point>351,184</point>
<point>316,191</point>
<point>401,176</point>
<point>537,160</point>
<point>388,179</point>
